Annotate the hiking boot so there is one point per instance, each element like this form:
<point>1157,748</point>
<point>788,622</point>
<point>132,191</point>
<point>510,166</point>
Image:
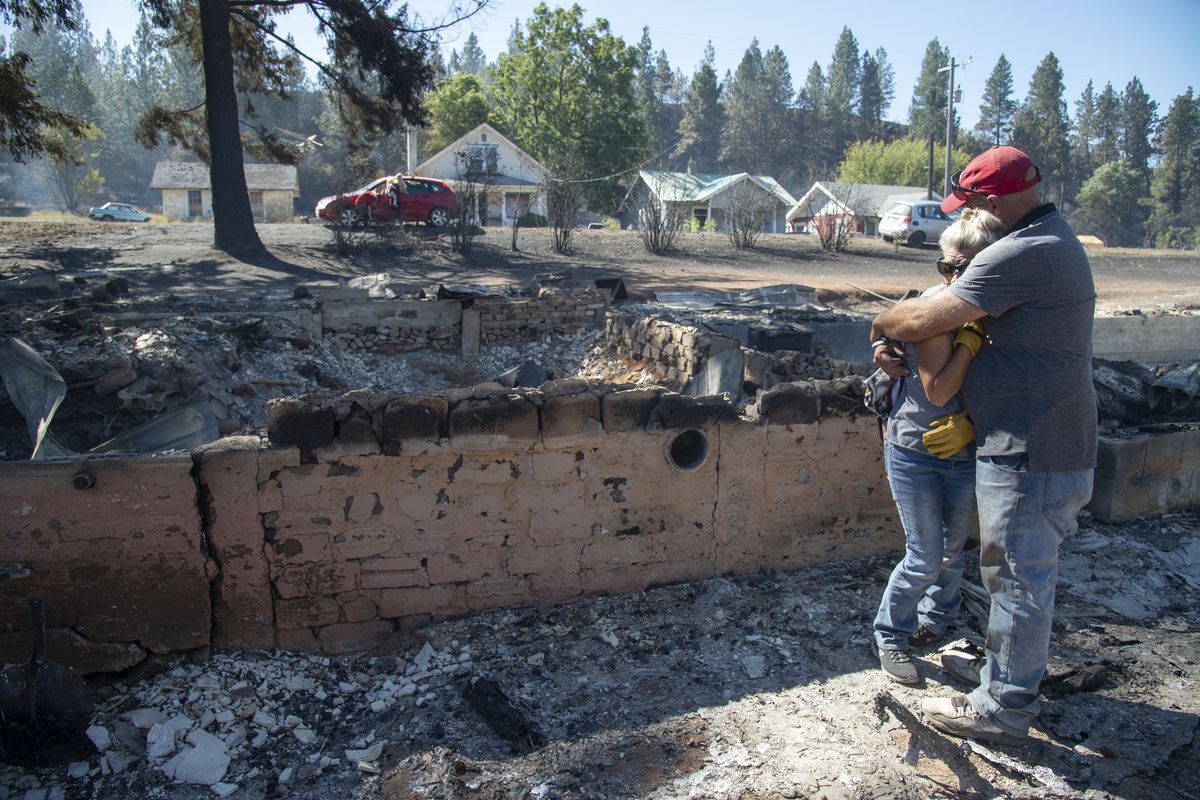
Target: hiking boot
<point>897,665</point>
<point>962,666</point>
<point>956,716</point>
<point>924,637</point>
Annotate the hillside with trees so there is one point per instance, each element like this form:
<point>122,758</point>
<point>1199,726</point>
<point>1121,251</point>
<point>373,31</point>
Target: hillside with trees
<point>83,120</point>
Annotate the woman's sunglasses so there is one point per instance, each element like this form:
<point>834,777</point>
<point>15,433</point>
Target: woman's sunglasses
<point>947,268</point>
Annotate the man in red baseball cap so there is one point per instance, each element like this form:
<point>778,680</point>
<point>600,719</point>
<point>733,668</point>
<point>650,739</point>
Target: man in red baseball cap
<point>994,175</point>
<point>1033,409</point>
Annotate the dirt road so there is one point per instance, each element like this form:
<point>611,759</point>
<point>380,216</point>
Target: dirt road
<point>178,259</point>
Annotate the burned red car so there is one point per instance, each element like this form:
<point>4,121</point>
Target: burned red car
<point>393,198</point>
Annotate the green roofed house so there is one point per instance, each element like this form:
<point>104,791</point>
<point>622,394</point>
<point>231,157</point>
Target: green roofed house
<point>708,199</point>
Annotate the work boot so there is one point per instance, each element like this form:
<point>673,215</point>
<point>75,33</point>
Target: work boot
<point>897,665</point>
<point>924,637</point>
<point>956,716</point>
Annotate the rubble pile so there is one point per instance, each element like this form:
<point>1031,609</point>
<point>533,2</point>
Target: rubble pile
<point>759,686</point>
<point>252,724</point>
<point>130,372</point>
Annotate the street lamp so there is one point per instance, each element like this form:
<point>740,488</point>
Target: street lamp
<point>950,116</point>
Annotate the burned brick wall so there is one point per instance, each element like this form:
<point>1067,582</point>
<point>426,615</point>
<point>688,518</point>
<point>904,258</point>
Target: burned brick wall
<point>677,351</point>
<point>368,516</point>
<point>115,546</point>
<point>515,321</point>
<point>402,326</point>
<point>1148,471</point>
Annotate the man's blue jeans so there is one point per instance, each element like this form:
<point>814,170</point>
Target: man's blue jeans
<point>936,501</point>
<point>1023,516</point>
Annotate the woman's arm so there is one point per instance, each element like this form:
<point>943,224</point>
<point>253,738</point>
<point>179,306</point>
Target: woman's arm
<point>942,367</point>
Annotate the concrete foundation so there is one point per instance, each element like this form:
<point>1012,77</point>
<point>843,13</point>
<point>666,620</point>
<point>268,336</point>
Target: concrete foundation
<point>365,517</point>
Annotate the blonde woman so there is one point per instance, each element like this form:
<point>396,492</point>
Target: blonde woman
<point>932,472</point>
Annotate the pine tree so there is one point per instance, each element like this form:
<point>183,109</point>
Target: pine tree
<point>1040,126</point>
<point>844,82</point>
<point>996,110</point>
<point>927,114</point>
<point>1138,113</point>
<point>875,93</point>
<point>814,150</point>
<point>646,94</point>
<point>703,117</point>
<point>1083,130</point>
<point>473,59</point>
<point>743,147</point>
<point>780,128</point>
<point>1175,187</point>
<point>1106,127</point>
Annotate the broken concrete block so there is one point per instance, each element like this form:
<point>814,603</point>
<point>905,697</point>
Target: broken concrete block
<point>299,422</point>
<point>98,734</point>
<point>788,404</point>
<point>204,763</point>
<point>675,412</point>
<point>470,335</point>
<point>571,420</point>
<point>414,420</point>
<point>65,646</point>
<point>344,638</point>
<point>496,423</point>
<point>628,410</point>
<point>838,398</point>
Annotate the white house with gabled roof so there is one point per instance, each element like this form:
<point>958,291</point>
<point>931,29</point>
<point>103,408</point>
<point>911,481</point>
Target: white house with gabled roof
<point>514,178</point>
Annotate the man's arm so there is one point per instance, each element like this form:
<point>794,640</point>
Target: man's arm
<point>918,319</point>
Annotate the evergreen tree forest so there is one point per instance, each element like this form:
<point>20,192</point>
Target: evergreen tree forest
<point>596,108</point>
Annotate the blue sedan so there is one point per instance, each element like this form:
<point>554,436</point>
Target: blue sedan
<point>118,212</point>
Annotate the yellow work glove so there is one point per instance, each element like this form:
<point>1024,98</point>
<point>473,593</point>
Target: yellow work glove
<point>972,335</point>
<point>948,435</point>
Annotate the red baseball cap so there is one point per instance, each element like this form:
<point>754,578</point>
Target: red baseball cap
<point>999,170</point>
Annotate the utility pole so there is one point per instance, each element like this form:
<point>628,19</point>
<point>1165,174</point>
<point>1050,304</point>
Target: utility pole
<point>950,116</point>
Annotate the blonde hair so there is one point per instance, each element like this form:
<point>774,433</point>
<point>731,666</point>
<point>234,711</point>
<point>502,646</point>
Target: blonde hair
<point>974,230</point>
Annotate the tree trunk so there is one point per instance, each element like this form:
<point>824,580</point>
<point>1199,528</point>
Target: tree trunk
<point>233,223</point>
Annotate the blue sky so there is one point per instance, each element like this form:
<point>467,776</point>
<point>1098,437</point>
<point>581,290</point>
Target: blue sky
<point>1103,40</point>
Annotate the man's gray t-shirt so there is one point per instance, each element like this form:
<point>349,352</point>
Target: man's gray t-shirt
<point>1030,390</point>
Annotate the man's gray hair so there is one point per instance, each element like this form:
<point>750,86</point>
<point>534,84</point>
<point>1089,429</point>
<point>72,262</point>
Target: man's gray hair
<point>974,230</point>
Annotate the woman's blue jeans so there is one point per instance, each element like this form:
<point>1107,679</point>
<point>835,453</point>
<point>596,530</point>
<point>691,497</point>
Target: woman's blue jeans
<point>936,501</point>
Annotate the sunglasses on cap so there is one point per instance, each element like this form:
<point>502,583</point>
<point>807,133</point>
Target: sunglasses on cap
<point>958,189</point>
<point>947,268</point>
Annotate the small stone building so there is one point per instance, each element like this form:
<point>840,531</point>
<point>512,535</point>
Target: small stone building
<point>187,193</point>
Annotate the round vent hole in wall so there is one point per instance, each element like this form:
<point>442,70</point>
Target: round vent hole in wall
<point>688,450</point>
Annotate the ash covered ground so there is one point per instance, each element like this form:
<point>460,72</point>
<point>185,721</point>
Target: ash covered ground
<point>739,687</point>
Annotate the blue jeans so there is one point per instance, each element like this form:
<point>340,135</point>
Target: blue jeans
<point>936,501</point>
<point>1023,517</point>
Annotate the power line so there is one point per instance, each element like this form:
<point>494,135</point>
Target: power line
<point>626,171</point>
